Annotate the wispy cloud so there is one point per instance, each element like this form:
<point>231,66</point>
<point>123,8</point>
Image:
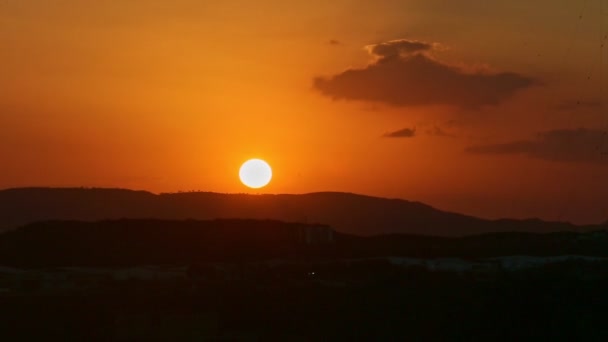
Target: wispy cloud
<point>402,133</point>
<point>579,104</point>
<point>564,145</point>
<point>437,131</point>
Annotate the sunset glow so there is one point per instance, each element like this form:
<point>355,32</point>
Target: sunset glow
<point>402,99</point>
<point>312,170</point>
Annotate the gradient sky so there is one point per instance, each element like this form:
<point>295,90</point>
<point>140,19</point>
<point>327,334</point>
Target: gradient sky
<point>490,108</point>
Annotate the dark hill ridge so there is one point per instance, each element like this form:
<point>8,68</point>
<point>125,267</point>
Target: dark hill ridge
<point>120,243</point>
<point>348,213</point>
<point>143,242</point>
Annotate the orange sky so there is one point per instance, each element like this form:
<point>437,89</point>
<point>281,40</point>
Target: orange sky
<point>505,98</point>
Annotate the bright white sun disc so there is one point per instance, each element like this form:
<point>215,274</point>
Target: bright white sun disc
<point>255,173</point>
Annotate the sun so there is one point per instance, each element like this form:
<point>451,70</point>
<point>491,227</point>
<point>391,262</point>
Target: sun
<point>255,173</point>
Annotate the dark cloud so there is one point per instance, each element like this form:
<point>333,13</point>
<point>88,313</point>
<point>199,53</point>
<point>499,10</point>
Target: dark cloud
<point>402,133</point>
<point>334,42</point>
<point>396,48</point>
<point>403,75</point>
<point>564,145</point>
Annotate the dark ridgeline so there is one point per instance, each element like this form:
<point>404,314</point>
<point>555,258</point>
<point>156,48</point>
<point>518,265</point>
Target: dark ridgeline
<point>347,213</point>
<point>132,242</point>
<point>147,242</point>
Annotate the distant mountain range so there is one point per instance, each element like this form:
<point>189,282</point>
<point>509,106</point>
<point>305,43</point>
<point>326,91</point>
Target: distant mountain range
<point>344,212</point>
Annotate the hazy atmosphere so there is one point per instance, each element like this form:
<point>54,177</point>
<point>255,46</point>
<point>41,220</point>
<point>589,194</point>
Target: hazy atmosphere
<point>336,170</point>
<point>489,108</point>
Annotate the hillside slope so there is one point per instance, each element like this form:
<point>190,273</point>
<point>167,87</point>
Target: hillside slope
<point>347,213</point>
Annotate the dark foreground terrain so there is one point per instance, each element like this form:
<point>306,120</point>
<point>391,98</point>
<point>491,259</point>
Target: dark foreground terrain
<point>243,280</point>
<point>552,303</point>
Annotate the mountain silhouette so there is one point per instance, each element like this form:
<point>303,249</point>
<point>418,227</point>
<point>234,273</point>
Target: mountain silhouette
<point>136,242</point>
<point>344,212</point>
